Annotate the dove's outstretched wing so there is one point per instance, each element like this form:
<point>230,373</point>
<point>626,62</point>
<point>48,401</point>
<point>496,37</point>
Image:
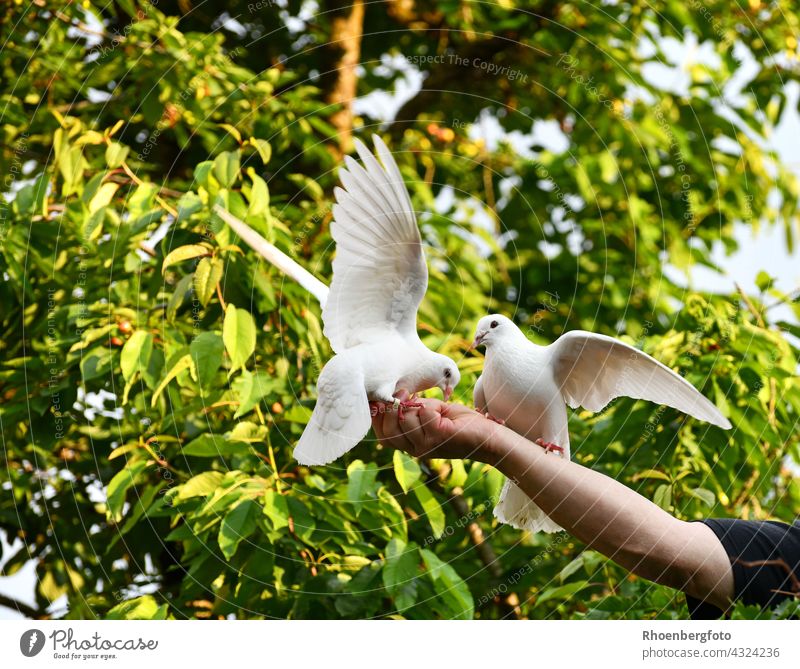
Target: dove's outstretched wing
<point>341,416</point>
<point>593,369</point>
<point>379,273</point>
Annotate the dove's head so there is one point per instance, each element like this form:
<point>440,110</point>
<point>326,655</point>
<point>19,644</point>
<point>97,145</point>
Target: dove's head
<point>439,371</point>
<point>494,329</point>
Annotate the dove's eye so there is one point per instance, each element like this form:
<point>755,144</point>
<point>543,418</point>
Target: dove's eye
<point>493,324</point>
<point>447,373</point>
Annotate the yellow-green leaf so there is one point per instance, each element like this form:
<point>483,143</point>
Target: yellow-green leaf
<point>186,252</point>
<point>206,276</point>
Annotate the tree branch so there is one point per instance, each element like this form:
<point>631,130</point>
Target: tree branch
<point>482,547</point>
<point>19,607</point>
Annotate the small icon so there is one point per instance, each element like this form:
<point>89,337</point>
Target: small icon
<point>31,643</point>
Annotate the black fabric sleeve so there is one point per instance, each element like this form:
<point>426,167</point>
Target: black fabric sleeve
<point>755,541</point>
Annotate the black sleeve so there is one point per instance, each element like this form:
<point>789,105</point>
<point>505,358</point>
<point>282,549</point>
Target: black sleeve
<point>755,541</point>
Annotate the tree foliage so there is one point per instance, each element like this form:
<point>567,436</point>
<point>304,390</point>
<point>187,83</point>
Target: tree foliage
<point>156,373</point>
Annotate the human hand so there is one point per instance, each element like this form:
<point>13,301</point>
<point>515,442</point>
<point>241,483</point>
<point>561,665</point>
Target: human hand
<point>437,430</point>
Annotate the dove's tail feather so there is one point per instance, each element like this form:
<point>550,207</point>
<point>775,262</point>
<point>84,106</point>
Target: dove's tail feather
<point>275,256</point>
<point>518,510</point>
<point>341,417</point>
<point>318,446</point>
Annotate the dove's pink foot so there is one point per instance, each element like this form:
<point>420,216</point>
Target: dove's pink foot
<point>377,407</point>
<point>548,446</point>
<point>407,404</point>
<point>494,419</point>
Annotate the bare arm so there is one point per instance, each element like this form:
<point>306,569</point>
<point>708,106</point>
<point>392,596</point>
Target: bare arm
<point>601,512</point>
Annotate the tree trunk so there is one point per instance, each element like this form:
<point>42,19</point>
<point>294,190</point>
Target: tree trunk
<point>347,26</point>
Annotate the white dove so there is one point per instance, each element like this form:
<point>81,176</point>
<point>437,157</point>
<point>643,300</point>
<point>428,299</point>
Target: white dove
<point>528,387</point>
<point>370,313</point>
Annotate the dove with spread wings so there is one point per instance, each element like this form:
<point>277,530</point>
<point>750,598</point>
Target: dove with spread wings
<point>370,312</point>
<point>528,387</point>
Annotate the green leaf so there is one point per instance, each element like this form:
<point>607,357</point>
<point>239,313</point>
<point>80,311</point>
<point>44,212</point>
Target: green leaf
<point>663,496</point>
<point>239,335</point>
<point>186,252</point>
<point>141,608</point>
<point>103,196</point>
<point>432,509</point>
<point>212,446</point>
<point>232,131</point>
<point>298,414</point>
<point>183,363</point>
<point>208,273</point>
<point>248,432</point>
<point>449,587</point>
<point>136,353</point>
<point>251,388</point>
<point>651,474</point>
<point>561,592</point>
<point>361,482</point>
<point>226,168</point>
<point>706,496</point>
<point>400,573</point>
<point>259,195</point>
<point>263,148</point>
<point>276,509</point>
<point>207,351</point>
<point>406,470</point>
<point>238,524</point>
<point>96,364</point>
<point>189,204</point>
<point>119,485</point>
<point>199,486</point>
<point>764,281</point>
<point>116,154</point>
<point>178,298</point>
<point>70,164</point>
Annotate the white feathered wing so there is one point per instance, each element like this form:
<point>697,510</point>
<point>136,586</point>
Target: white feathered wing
<point>591,370</point>
<point>379,280</point>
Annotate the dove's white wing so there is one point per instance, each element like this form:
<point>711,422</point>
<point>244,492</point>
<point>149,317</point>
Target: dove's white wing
<point>593,369</point>
<point>340,418</point>
<point>478,396</point>
<point>379,272</point>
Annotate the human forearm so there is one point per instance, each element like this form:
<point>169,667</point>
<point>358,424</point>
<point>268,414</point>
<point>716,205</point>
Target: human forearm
<point>615,520</point>
<point>600,511</point>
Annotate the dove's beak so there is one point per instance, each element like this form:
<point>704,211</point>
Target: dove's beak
<point>447,392</point>
<point>479,337</point>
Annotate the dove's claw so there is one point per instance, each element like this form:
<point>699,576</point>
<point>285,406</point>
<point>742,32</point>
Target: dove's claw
<point>548,446</point>
<point>407,404</point>
<point>489,416</point>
